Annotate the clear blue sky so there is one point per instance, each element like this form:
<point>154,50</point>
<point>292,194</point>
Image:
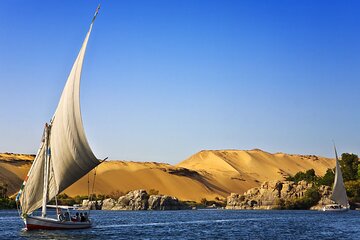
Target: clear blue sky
<point>165,79</point>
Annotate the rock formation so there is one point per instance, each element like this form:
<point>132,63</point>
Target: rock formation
<point>164,202</point>
<point>108,204</point>
<point>138,200</point>
<point>271,194</point>
<point>135,200</point>
<point>325,192</point>
<point>92,205</point>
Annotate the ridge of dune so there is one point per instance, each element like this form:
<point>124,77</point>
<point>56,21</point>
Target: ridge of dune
<point>206,174</point>
<point>16,157</point>
<point>253,161</point>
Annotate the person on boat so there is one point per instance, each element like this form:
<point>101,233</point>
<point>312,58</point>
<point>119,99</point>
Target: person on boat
<point>82,217</point>
<point>86,217</point>
<point>67,216</point>
<point>60,215</point>
<point>76,218</point>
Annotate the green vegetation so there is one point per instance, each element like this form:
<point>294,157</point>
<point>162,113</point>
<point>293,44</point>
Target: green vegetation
<point>353,190</point>
<point>349,166</point>
<point>64,199</point>
<point>327,179</point>
<point>192,204</point>
<point>3,190</point>
<point>204,203</point>
<point>5,201</point>
<point>310,177</point>
<point>311,198</point>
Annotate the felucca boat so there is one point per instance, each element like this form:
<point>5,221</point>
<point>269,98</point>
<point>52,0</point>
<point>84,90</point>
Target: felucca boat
<point>64,157</point>
<point>338,195</point>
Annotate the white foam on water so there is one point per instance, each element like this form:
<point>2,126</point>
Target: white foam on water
<point>7,217</point>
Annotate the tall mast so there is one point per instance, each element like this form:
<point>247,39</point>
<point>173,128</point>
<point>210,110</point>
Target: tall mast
<point>46,170</point>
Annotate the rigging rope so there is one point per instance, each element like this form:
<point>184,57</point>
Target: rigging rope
<point>88,185</point>
<point>93,187</point>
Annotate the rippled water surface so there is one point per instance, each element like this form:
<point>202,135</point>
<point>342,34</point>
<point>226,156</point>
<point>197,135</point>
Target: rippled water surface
<point>199,224</point>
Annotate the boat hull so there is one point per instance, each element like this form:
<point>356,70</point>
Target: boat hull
<point>36,223</point>
<point>334,208</point>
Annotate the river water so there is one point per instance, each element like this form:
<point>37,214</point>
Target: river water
<point>198,224</point>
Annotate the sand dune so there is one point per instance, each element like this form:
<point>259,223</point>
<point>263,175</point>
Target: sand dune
<point>13,169</point>
<point>125,176</point>
<point>239,170</point>
<point>207,174</point>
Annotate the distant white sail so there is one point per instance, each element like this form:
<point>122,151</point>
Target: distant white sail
<point>70,154</point>
<point>339,192</point>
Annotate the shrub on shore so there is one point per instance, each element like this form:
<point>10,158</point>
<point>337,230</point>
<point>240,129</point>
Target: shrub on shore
<point>7,203</point>
<point>311,198</point>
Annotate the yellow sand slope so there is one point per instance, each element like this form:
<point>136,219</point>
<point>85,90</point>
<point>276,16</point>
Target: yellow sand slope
<point>125,176</point>
<point>207,174</point>
<point>239,170</point>
<point>13,169</point>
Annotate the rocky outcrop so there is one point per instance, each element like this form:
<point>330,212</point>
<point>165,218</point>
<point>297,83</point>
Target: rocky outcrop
<point>164,202</point>
<point>91,205</point>
<point>139,200</point>
<point>271,194</point>
<point>135,200</point>
<point>325,192</point>
<point>108,204</point>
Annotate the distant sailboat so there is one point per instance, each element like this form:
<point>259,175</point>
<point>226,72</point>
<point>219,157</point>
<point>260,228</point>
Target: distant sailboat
<point>64,156</point>
<point>339,192</point>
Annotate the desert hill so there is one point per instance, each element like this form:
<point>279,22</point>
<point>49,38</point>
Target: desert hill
<point>239,170</point>
<point>112,176</point>
<point>125,176</point>
<point>206,174</point>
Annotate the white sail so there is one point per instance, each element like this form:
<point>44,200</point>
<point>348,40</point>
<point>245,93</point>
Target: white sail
<point>31,192</point>
<point>339,192</point>
<point>71,155</point>
<point>69,152</point>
